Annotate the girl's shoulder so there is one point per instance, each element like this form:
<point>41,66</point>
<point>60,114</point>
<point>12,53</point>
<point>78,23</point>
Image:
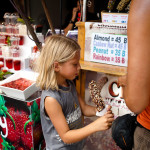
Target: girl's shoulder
<point>50,93</point>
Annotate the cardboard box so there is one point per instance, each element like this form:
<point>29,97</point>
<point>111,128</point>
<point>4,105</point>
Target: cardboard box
<point>18,94</point>
<point>114,17</point>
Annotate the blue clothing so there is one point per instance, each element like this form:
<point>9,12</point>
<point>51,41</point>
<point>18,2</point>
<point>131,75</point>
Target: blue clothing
<point>67,98</point>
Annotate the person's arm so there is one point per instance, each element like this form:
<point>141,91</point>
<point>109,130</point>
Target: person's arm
<point>68,136</point>
<point>72,21</point>
<point>87,110</point>
<point>137,90</point>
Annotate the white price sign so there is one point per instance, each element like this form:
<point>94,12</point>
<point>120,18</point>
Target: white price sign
<point>109,49</point>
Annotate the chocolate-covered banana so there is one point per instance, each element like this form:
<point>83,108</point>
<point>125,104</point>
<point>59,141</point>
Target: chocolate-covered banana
<point>128,7</point>
<point>95,89</point>
<point>111,4</point>
<point>122,4</point>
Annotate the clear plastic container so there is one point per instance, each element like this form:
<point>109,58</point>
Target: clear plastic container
<point>9,29</point>
<point>17,63</point>
<point>21,40</point>
<point>7,40</point>
<point>15,29</point>
<point>9,62</point>
<point>1,65</point>
<point>6,51</point>
<point>3,28</point>
<point>13,18</point>
<point>2,39</point>
<point>34,55</point>
<point>14,40</point>
<point>15,50</point>
<point>7,18</point>
<point>2,61</point>
<point>1,51</point>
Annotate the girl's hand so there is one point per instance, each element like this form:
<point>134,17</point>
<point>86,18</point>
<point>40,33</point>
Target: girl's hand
<point>109,108</point>
<point>106,110</point>
<point>104,122</point>
<point>109,111</point>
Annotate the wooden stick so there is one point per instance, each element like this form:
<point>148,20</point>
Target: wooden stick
<point>48,16</point>
<point>28,24</point>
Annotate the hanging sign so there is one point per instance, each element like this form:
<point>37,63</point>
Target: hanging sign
<point>109,49</point>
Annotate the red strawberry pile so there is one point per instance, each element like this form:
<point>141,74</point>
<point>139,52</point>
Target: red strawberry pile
<point>23,130</point>
<point>20,84</point>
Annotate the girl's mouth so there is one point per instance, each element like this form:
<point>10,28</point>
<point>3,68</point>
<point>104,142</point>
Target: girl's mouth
<point>76,74</point>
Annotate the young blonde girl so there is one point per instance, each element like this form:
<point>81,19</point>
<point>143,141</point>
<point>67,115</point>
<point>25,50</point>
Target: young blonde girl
<point>61,107</point>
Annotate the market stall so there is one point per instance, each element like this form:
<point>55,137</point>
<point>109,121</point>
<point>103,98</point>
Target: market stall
<point>104,55</point>
<point>19,97</point>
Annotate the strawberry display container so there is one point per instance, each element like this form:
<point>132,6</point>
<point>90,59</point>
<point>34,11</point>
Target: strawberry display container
<point>17,93</point>
<point>20,124</point>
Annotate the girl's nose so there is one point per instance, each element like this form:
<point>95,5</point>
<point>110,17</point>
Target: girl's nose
<point>79,66</point>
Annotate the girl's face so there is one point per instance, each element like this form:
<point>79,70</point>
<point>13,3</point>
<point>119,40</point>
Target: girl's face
<point>70,69</point>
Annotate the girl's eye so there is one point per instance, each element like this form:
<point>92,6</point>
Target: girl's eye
<point>75,65</point>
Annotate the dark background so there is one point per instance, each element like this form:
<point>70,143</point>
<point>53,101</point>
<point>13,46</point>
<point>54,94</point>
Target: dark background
<point>34,9</point>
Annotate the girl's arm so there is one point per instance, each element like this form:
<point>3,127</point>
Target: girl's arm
<point>68,136</point>
<point>137,88</point>
<point>87,110</point>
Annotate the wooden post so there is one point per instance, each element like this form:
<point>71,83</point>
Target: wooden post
<point>27,22</point>
<point>48,16</point>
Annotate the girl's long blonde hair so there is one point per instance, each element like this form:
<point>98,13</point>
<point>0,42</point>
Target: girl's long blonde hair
<point>57,48</point>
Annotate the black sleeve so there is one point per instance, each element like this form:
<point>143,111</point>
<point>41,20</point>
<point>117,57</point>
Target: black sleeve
<point>67,20</point>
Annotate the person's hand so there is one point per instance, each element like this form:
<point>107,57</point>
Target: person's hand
<point>104,122</point>
<point>109,111</point>
<point>74,13</point>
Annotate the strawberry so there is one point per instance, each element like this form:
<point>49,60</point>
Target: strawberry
<point>16,144</point>
<point>23,129</point>
<point>20,84</point>
<point>26,133</point>
<point>27,121</point>
<point>13,132</point>
<point>8,118</point>
<point>1,140</point>
<point>29,103</point>
<point>20,148</point>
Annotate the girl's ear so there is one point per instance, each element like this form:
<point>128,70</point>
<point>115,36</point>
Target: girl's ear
<point>56,66</point>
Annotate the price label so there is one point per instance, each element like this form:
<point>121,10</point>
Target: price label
<point>109,49</point>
